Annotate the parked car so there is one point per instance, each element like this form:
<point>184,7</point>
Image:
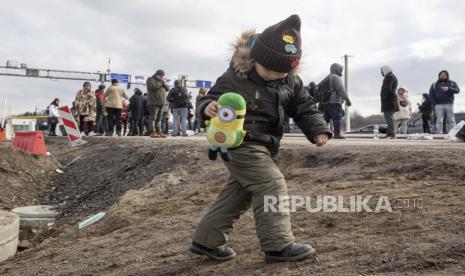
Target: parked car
<point>416,125</point>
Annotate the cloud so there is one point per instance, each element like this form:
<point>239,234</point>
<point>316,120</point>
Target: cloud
<point>192,37</point>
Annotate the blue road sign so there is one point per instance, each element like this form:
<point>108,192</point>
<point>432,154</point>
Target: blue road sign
<point>122,78</point>
<point>201,83</point>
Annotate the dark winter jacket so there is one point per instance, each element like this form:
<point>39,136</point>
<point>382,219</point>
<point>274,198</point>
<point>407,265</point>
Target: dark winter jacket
<point>426,108</point>
<point>310,89</point>
<point>336,86</point>
<point>267,102</point>
<point>178,97</point>
<point>100,99</point>
<point>136,106</point>
<point>439,96</point>
<point>389,101</point>
<point>156,92</point>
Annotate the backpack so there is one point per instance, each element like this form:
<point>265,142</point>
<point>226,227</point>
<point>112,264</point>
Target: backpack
<point>180,97</point>
<point>322,92</point>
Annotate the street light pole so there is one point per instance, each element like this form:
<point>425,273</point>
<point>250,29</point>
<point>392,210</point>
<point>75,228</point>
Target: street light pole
<point>4,113</point>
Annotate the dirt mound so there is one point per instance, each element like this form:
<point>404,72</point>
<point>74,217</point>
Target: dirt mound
<point>147,231</point>
<point>24,178</point>
<point>97,178</point>
<point>323,159</point>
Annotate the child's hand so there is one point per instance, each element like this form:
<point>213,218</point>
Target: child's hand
<point>211,110</point>
<point>321,139</point>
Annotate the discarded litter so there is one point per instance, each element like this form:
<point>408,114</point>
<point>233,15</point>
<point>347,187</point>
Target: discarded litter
<point>452,133</point>
<point>91,220</point>
<point>73,161</point>
<point>59,171</point>
<point>420,136</point>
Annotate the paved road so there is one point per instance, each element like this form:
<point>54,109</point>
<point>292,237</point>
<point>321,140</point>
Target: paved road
<point>301,140</point>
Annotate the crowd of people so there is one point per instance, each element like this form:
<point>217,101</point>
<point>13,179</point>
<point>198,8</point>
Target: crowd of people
<point>110,112</point>
<point>436,107</point>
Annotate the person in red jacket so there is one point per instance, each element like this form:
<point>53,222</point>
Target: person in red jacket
<point>124,118</point>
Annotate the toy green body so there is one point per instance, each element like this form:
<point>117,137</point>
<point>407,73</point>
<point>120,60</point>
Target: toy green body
<point>226,130</point>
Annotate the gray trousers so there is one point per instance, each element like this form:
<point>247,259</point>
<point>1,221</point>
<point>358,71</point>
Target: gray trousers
<point>155,115</point>
<point>444,110</point>
<point>389,117</point>
<point>254,174</point>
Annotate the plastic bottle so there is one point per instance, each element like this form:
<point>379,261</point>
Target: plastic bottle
<point>376,132</point>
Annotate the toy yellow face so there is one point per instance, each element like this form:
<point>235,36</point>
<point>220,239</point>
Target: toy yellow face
<point>228,118</point>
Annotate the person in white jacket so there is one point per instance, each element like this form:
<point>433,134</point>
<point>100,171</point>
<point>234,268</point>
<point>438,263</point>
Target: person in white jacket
<point>404,114</point>
<point>53,116</point>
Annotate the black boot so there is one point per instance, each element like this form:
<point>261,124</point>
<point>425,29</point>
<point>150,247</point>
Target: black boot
<point>225,156</point>
<point>212,154</point>
<point>292,253</point>
<point>220,255</point>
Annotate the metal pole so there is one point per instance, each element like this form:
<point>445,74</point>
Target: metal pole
<point>4,113</point>
<point>346,86</point>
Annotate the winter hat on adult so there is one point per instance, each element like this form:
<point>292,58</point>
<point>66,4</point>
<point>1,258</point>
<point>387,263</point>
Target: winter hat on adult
<point>203,91</point>
<point>278,47</point>
<point>160,72</point>
<point>444,71</point>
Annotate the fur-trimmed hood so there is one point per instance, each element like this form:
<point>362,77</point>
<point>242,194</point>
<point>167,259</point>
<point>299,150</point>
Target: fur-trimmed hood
<point>242,62</point>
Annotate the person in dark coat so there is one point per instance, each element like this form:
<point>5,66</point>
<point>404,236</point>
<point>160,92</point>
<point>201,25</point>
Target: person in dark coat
<point>389,103</point>
<point>136,109</point>
<point>101,122</point>
<point>426,109</point>
<point>441,95</point>
<point>263,71</point>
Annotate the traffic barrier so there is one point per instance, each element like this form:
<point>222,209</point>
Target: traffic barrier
<point>30,141</point>
<point>2,134</point>
<point>71,127</point>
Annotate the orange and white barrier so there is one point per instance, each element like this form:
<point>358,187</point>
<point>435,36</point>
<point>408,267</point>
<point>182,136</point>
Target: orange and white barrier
<point>71,127</point>
<point>30,141</point>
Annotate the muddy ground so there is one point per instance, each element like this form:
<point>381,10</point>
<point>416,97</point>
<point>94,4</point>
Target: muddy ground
<point>155,193</point>
<point>24,179</point>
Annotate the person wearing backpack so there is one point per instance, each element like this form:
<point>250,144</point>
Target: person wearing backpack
<point>179,99</point>
<point>332,109</point>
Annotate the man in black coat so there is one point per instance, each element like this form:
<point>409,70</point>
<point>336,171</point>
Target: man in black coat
<point>136,108</point>
<point>389,103</point>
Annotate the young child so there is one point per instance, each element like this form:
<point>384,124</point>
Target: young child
<point>263,71</point>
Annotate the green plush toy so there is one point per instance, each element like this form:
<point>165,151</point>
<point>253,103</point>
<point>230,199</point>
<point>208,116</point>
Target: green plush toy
<point>226,130</point>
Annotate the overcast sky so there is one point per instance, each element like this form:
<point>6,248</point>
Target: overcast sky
<point>417,38</point>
